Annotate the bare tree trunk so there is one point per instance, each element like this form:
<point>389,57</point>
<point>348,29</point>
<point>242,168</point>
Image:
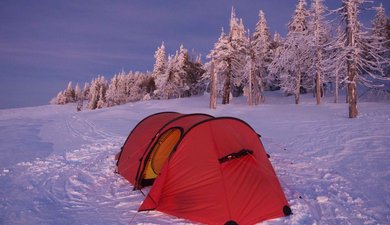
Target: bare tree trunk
<point>227,84</point>
<point>213,88</point>
<point>318,79</point>
<point>352,93</point>
<point>256,94</point>
<point>298,88</point>
<point>297,96</point>
<point>261,91</point>
<point>250,80</point>
<point>318,88</point>
<point>351,84</point>
<point>336,88</point>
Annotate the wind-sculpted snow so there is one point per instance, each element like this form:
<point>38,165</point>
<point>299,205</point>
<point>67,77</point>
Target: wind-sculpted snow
<point>334,170</point>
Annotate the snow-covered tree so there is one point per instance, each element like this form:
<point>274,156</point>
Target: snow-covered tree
<point>361,55</point>
<point>136,92</point>
<point>293,59</point>
<point>221,56</point>
<point>159,66</point>
<point>86,91</point>
<point>181,64</point>
<point>78,93</point>
<point>160,74</point>
<point>252,89</point>
<point>337,60</point>
<point>147,86</point>
<point>381,36</point>
<point>239,42</point>
<point>116,91</point>
<point>213,87</point>
<point>263,57</point>
<point>171,87</point>
<point>97,98</point>
<point>60,99</point>
<point>172,83</point>
<point>229,55</point>
<point>195,71</point>
<point>69,93</point>
<point>66,96</point>
<point>319,31</point>
<point>101,103</point>
<point>272,79</point>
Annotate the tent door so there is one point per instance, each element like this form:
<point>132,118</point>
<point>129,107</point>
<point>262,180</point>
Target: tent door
<point>159,154</point>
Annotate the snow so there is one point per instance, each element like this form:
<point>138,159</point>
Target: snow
<point>57,165</point>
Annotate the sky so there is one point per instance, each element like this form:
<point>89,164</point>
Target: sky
<point>44,44</point>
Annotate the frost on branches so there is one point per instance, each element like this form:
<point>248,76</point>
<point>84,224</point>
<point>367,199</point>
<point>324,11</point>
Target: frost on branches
<point>180,76</point>
<point>262,54</point>
<point>68,95</point>
<point>159,66</point>
<point>319,30</point>
<point>311,56</point>
<point>293,59</point>
<point>361,53</point>
<point>229,56</point>
<point>381,38</point>
<point>176,77</point>
<point>97,92</point>
<point>100,93</point>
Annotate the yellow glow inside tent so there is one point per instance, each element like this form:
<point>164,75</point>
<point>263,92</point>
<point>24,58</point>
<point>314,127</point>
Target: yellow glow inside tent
<point>160,152</point>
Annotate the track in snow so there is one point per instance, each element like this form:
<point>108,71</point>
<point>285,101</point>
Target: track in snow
<point>79,187</point>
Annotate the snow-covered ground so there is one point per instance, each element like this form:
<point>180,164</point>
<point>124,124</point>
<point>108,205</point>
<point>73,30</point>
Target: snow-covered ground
<point>57,165</point>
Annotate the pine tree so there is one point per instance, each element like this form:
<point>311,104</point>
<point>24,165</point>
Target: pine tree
<point>101,103</point>
<point>159,66</point>
<point>115,94</point>
<point>86,91</point>
<point>293,60</point>
<point>221,56</point>
<point>381,37</point>
<point>78,93</point>
<point>136,92</point>
<point>272,79</point>
<point>97,98</point>
<point>60,99</point>
<point>173,85</point>
<point>240,44</point>
<point>319,31</point>
<point>361,56</point>
<point>93,95</point>
<point>161,91</point>
<point>251,91</point>
<point>69,93</point>
<point>262,56</point>
<point>195,71</point>
<point>147,86</point>
<point>229,55</point>
<point>160,71</point>
<point>337,62</point>
<point>182,71</point>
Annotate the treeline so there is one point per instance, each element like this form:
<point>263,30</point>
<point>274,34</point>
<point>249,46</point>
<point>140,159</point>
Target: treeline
<point>316,51</point>
<point>175,76</point>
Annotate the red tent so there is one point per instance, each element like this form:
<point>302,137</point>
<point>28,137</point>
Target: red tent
<point>205,169</point>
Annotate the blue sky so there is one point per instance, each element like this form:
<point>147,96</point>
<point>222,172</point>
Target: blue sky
<point>44,44</point>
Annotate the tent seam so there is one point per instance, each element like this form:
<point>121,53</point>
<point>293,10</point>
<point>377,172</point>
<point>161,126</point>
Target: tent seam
<point>223,181</point>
